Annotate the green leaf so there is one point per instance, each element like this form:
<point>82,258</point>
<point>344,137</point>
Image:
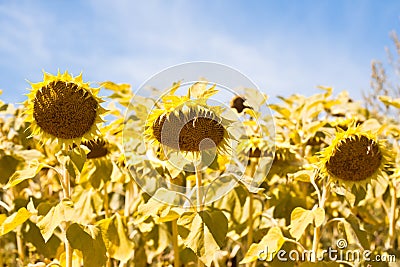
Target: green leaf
<point>101,172</point>
<point>267,248</point>
<point>8,165</point>
<point>83,204</point>
<point>207,233</point>
<point>184,223</point>
<point>3,217</point>
<point>62,212</point>
<point>233,203</point>
<point>32,234</point>
<point>283,111</point>
<point>299,220</point>
<point>116,239</point>
<point>90,242</point>
<point>187,255</point>
<point>167,215</point>
<point>388,101</point>
<point>157,209</point>
<point>201,241</point>
<point>22,175</point>
<point>13,221</point>
<point>217,224</point>
<point>199,90</point>
<point>360,233</point>
<point>312,127</point>
<point>72,160</point>
<point>319,216</point>
<point>78,157</point>
<point>302,176</point>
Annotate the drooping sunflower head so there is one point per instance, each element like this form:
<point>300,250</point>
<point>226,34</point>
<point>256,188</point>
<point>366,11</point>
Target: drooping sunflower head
<point>354,158</point>
<point>188,125</point>
<point>98,148</point>
<point>238,103</point>
<point>64,108</point>
<point>253,146</point>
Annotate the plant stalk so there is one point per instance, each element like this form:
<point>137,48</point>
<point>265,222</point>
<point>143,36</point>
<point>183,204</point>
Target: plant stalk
<point>67,194</point>
<point>107,215</point>
<point>199,194</point>
<point>317,229</point>
<point>250,222</point>
<point>20,246</point>
<point>106,205</point>
<point>175,242</point>
<point>392,214</point>
<point>129,191</point>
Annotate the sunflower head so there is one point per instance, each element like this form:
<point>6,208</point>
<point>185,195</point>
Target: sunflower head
<point>238,103</point>
<point>188,125</point>
<point>64,108</point>
<point>354,158</point>
<point>253,146</point>
<point>98,148</point>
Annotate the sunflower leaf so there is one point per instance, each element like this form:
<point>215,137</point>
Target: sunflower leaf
<point>8,224</point>
<point>90,242</point>
<point>62,212</point>
<point>116,238</point>
<point>267,248</point>
<point>319,216</point>
<point>155,208</point>
<point>8,165</point>
<point>302,176</point>
<point>388,101</point>
<point>361,234</point>
<point>205,233</point>
<point>300,219</point>
<point>22,175</point>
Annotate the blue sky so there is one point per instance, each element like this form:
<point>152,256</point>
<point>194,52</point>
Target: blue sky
<point>285,46</point>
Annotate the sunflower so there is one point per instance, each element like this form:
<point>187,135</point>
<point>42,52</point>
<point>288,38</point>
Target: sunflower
<point>188,125</point>
<point>98,148</point>
<point>253,146</point>
<point>239,103</point>
<point>354,158</point>
<point>64,108</point>
<point>99,166</point>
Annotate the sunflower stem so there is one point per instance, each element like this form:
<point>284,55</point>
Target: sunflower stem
<point>296,243</point>
<point>106,205</point>
<point>20,246</point>
<point>250,222</point>
<point>67,194</point>
<point>317,229</point>
<point>392,214</point>
<point>199,195</point>
<point>175,242</point>
<point>129,191</point>
<point>199,183</point>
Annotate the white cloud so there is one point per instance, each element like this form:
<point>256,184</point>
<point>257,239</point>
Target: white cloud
<point>278,64</point>
<point>23,32</point>
<point>128,41</point>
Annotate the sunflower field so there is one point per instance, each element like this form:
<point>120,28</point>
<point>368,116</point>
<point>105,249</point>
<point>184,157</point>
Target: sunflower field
<point>175,179</point>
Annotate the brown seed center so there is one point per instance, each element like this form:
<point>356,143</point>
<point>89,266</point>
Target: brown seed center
<point>192,133</point>
<point>355,159</point>
<point>64,110</point>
